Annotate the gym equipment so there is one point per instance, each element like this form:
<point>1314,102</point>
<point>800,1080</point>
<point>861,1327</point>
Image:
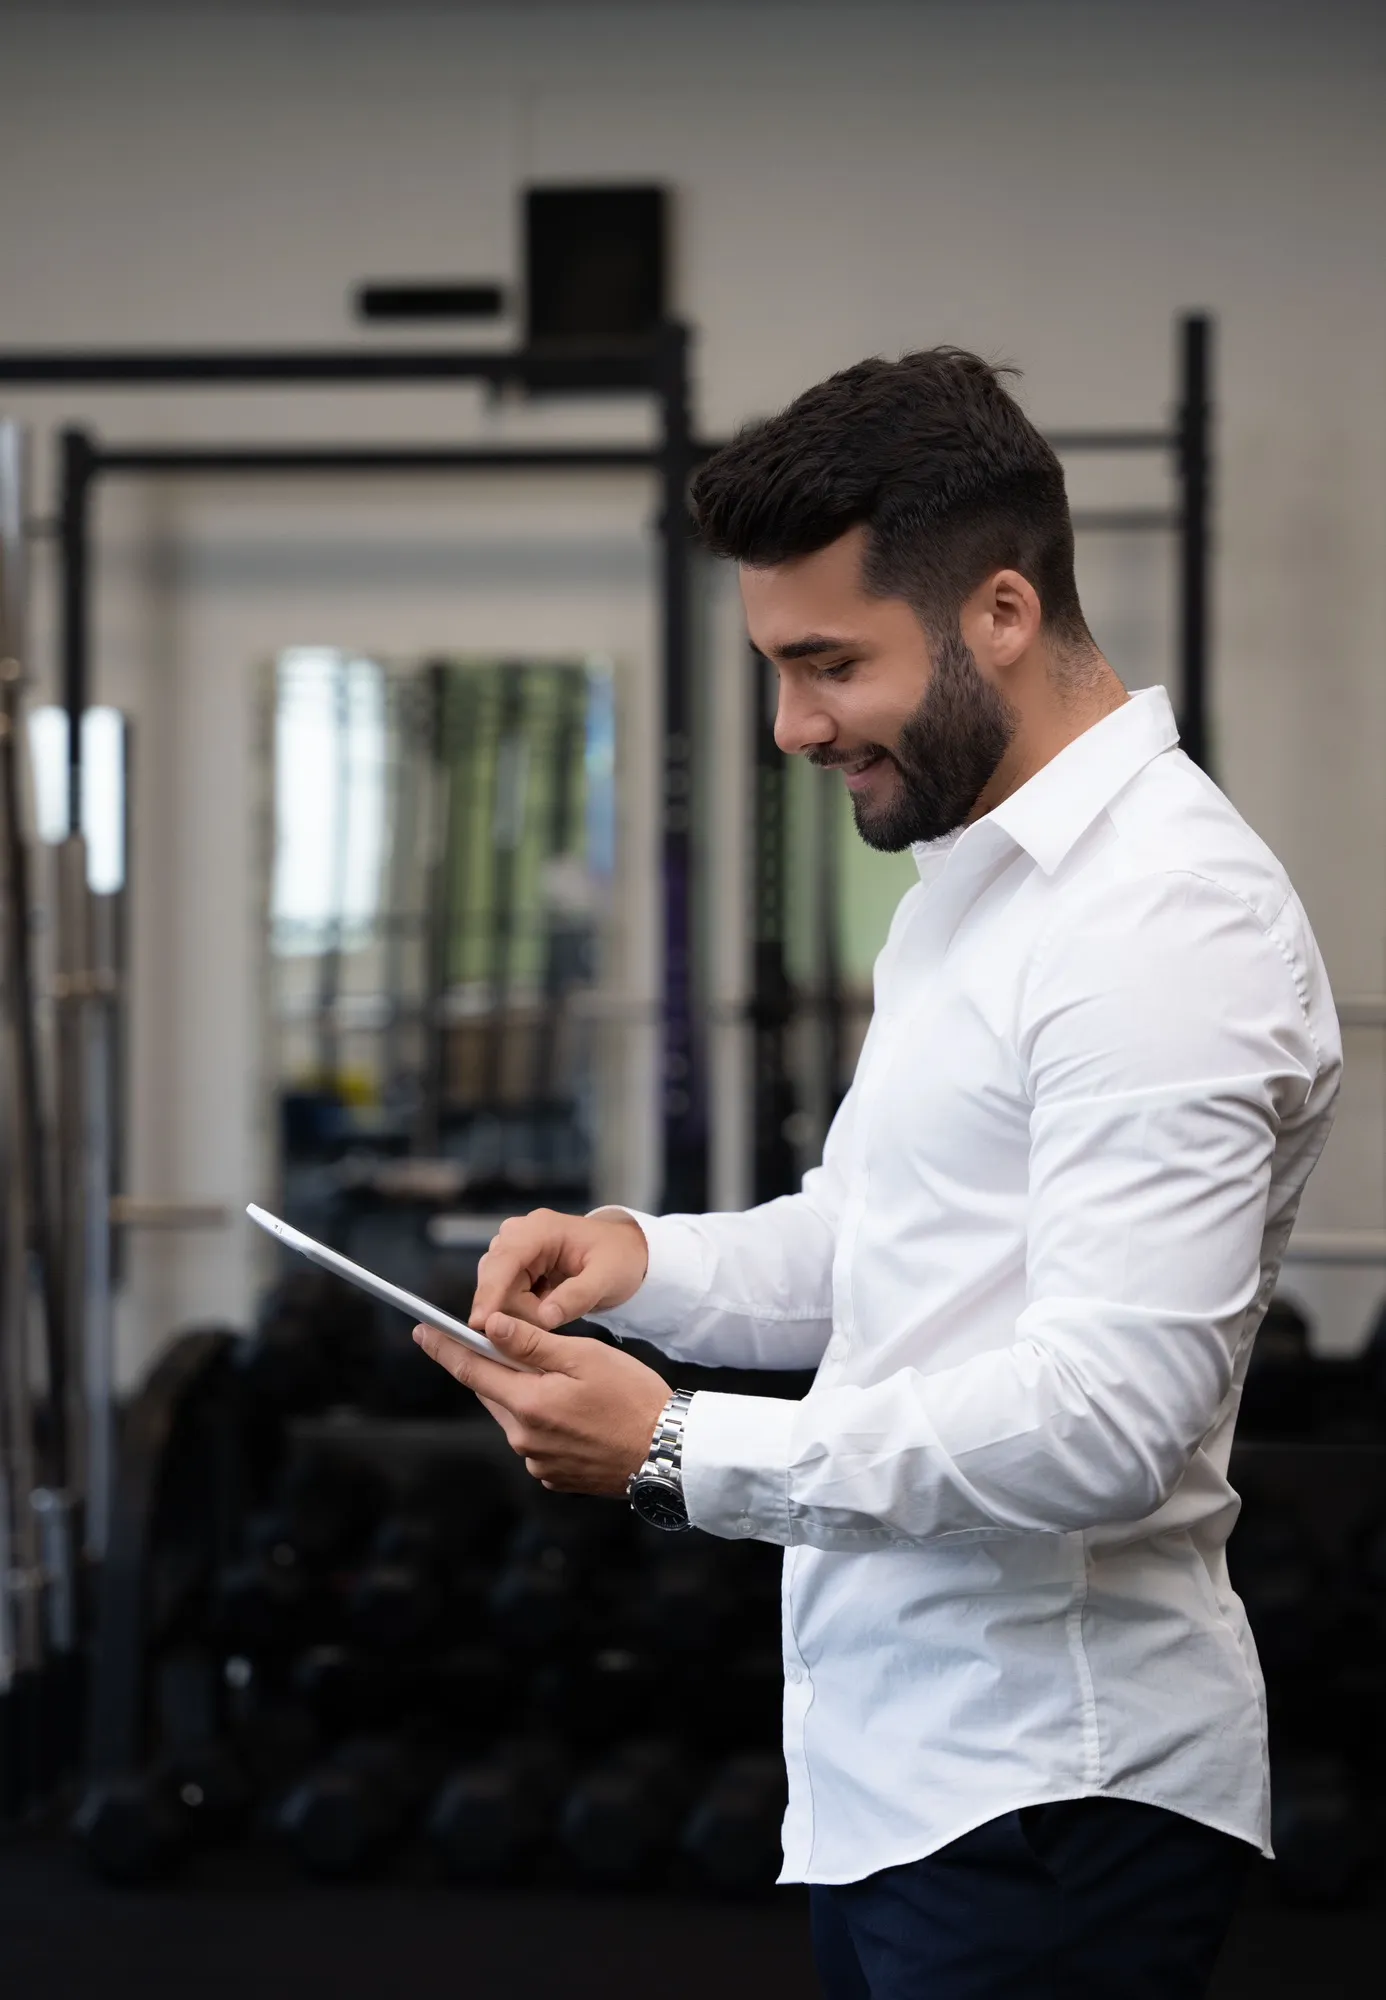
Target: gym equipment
<point>347,1691</point>
<point>265,1602</point>
<point>130,1828</point>
<point>331,1502</point>
<point>136,1829</point>
<point>135,1825</point>
<point>394,1604</point>
<point>493,1819</point>
<point>620,1822</point>
<point>180,1490</point>
<point>564,1565</point>
<point>346,1817</point>
<point>732,1835</point>
<point>469,1691</point>
<point>656,368</point>
<point>37,1498</point>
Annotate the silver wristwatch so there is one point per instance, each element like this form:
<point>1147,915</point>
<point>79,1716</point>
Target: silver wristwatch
<point>656,1490</point>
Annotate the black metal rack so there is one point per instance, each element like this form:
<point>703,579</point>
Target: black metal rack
<point>657,368</point>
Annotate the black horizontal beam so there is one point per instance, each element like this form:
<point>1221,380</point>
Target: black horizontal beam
<point>628,366</point>
<point>194,459</point>
<point>429,298</point>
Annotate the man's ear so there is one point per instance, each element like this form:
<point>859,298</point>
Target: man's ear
<point>1001,620</point>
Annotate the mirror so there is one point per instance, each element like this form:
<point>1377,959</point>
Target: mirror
<point>440,897</point>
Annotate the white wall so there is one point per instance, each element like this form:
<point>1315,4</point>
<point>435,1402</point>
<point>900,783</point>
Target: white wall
<point>1043,179</point>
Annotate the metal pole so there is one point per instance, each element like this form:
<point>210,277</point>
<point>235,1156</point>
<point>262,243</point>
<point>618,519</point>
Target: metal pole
<point>1194,452</point>
<point>22,1205</point>
<point>30,1151</point>
<point>684,1081</point>
<point>100,1155</point>
<point>77,463</point>
<point>75,997</point>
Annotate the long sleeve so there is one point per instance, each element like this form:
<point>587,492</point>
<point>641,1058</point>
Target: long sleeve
<point>1162,1044</point>
<point>747,1290</point>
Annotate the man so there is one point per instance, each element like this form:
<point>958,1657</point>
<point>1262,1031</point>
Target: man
<point>1024,1721</point>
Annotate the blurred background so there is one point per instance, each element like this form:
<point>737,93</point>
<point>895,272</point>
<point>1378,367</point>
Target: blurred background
<point>392,834</point>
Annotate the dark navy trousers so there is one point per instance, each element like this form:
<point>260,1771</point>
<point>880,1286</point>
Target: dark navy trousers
<point>1092,1899</point>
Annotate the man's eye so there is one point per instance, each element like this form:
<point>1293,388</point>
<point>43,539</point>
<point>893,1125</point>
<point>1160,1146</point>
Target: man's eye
<point>837,673</point>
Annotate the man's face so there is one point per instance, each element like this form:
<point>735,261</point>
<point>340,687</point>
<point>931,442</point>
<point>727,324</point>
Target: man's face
<point>912,725</point>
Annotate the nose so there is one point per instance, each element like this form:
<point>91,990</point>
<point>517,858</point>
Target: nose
<point>800,724</point>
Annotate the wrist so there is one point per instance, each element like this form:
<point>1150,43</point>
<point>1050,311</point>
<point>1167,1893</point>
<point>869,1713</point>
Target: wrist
<point>655,1490</point>
<point>634,1257</point>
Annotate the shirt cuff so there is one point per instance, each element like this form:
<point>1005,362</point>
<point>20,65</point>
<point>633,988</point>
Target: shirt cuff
<point>736,1452</point>
<point>676,1278</point>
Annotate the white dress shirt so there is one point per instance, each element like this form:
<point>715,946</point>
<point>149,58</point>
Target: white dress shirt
<point>1029,1271</point>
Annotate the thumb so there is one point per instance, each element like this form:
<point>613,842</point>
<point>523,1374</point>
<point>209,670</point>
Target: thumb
<point>571,1300</point>
<point>531,1345</point>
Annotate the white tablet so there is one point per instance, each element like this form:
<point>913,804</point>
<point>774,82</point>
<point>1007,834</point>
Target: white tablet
<point>392,1295</point>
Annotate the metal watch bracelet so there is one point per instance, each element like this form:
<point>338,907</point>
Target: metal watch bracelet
<point>665,1457</point>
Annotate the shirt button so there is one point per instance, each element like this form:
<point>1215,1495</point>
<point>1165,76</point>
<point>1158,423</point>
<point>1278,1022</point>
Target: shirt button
<point>793,1674</point>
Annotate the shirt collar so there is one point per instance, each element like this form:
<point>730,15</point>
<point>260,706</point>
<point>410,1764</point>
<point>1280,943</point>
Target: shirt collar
<point>1052,810</point>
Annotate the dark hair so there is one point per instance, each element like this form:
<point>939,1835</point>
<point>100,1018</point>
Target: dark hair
<point>933,455</point>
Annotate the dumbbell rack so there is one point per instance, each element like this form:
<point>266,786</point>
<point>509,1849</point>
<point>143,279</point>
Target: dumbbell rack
<point>639,1737</point>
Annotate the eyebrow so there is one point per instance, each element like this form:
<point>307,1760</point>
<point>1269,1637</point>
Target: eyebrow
<point>809,648</point>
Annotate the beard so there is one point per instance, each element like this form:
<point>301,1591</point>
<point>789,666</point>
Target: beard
<point>947,753</point>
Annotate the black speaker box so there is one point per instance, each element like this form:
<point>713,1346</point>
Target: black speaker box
<point>596,263</point>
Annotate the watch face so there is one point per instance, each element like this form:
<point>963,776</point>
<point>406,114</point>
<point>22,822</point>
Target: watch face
<point>659,1502</point>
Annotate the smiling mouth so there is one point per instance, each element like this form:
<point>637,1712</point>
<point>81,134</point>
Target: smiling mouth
<point>859,773</point>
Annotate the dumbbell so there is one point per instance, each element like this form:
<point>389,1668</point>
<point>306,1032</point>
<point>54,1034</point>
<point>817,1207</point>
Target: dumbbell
<point>263,1602</point>
<point>1323,1848</point>
<point>493,1818</point>
<point>136,1827</point>
<point>274,1734</point>
<point>732,1836</point>
<point>396,1601</point>
<point>346,1817</point>
<point>275,1595</point>
<point>330,1503</point>
<point>559,1576</point>
<point>348,1691</point>
<point>470,1509</point>
<point>620,1822</point>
